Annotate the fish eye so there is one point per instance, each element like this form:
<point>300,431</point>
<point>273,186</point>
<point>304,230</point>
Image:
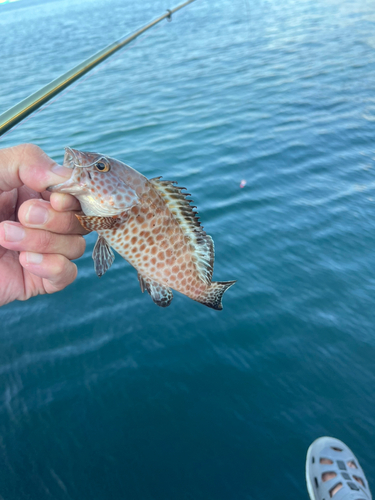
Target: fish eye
<point>102,167</point>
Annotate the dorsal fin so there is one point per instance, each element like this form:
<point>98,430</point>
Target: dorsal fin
<point>187,218</point>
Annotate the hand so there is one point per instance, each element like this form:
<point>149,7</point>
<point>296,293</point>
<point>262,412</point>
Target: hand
<point>40,234</point>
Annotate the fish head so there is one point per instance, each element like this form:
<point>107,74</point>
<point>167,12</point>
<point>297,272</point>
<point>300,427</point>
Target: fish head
<point>100,183</point>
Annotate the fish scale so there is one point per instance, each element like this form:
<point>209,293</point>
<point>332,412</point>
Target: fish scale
<point>150,223</point>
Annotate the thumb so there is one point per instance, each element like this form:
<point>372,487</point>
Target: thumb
<point>29,165</point>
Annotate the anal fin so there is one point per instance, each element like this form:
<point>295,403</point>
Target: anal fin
<point>141,282</point>
<point>103,256</point>
<point>95,223</point>
<point>162,295</point>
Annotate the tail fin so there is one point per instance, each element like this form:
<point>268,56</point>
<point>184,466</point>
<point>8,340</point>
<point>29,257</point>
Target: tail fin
<point>214,293</point>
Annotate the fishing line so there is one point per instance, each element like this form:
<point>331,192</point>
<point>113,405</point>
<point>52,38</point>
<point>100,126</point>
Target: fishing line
<point>29,105</point>
<point>79,82</point>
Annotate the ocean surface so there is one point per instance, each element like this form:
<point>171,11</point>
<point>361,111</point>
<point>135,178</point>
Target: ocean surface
<point>103,395</point>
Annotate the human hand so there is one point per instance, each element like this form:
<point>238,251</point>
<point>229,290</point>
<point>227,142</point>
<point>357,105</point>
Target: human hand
<point>41,233</point>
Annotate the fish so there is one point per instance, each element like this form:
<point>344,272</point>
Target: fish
<point>149,222</point>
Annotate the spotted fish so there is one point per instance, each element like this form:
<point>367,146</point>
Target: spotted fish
<point>150,223</point>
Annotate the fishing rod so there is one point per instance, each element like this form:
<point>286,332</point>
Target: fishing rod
<point>24,108</point>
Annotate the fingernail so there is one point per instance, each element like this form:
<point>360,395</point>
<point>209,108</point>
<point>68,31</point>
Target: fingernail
<point>13,233</point>
<point>36,215</point>
<point>62,171</point>
<point>33,258</point>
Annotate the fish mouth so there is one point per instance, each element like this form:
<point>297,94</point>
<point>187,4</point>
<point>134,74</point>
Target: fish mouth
<point>71,186</point>
<point>71,158</point>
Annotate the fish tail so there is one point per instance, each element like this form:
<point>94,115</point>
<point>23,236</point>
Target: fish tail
<point>214,293</point>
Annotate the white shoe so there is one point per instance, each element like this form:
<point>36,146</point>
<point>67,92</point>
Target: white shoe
<point>333,471</point>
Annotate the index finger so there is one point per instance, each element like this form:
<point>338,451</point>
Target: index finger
<point>29,165</point>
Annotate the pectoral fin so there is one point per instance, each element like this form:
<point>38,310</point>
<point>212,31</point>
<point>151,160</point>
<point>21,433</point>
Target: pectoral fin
<point>102,255</point>
<point>95,223</point>
<point>162,295</point>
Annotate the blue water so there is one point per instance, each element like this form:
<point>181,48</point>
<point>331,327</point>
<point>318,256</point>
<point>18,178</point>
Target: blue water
<point>106,396</point>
